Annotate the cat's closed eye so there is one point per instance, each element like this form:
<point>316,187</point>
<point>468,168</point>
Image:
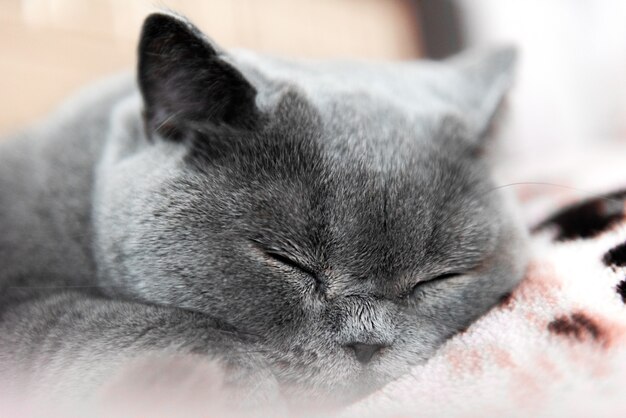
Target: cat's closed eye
<point>283,259</point>
<point>297,266</point>
<point>436,279</point>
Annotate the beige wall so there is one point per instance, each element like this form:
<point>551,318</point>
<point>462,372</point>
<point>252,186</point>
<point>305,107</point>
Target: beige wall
<point>48,48</point>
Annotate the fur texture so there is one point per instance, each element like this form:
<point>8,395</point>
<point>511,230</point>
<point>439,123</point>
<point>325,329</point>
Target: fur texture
<point>321,226</point>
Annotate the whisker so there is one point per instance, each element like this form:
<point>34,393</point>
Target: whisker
<point>591,194</point>
<point>165,121</point>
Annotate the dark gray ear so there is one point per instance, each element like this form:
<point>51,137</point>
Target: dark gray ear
<point>486,78</point>
<point>183,80</point>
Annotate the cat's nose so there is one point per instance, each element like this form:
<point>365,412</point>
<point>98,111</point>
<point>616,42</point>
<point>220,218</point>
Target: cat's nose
<point>365,352</point>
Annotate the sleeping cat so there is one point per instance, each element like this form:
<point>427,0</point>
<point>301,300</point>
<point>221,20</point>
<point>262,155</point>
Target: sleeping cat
<point>316,226</point>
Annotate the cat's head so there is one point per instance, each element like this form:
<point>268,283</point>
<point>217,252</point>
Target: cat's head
<point>345,213</point>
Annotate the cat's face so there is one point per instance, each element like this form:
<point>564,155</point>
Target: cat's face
<point>352,236</point>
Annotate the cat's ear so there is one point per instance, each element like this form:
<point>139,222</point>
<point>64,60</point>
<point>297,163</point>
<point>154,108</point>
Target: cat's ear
<point>486,78</point>
<point>184,80</point>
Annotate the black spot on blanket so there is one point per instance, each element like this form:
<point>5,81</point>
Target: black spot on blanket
<point>621,289</point>
<point>578,326</point>
<point>506,300</point>
<point>588,218</point>
<point>616,257</point>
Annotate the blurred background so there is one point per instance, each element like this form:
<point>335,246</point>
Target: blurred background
<point>48,48</point>
<point>570,93</point>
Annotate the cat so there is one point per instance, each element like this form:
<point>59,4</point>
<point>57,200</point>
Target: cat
<point>318,226</point>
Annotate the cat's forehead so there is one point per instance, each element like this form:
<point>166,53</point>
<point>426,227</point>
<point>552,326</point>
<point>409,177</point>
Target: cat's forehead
<point>359,149</point>
<point>365,191</point>
<point>407,87</point>
<point>379,112</point>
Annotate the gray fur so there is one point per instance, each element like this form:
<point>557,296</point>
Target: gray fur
<point>371,175</point>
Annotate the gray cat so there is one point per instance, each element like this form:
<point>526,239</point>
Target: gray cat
<point>323,225</point>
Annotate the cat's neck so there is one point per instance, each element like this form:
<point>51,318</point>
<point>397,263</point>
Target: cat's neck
<point>46,184</point>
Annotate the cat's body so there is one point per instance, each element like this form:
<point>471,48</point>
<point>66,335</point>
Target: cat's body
<point>275,215</point>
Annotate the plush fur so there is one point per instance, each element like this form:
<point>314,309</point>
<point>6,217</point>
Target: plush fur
<point>317,226</point>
